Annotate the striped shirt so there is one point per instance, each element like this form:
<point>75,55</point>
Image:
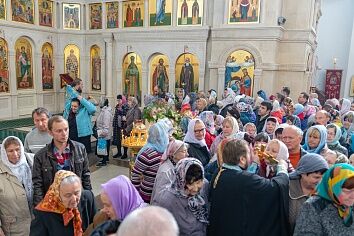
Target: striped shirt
<point>144,172</point>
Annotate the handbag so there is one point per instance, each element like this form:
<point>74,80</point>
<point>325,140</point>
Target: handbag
<point>101,147</point>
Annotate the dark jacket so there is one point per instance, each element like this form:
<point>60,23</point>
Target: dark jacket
<point>199,152</point>
<point>52,224</point>
<point>132,115</point>
<point>260,122</point>
<point>45,167</point>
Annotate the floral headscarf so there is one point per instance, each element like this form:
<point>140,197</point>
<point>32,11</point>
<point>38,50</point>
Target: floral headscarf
<point>323,139</point>
<point>196,203</point>
<point>345,107</point>
<point>331,186</point>
<point>190,136</point>
<point>52,203</point>
<point>208,119</point>
<point>172,148</point>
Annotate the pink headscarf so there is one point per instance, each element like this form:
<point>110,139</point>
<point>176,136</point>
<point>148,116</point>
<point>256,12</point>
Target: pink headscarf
<point>172,148</point>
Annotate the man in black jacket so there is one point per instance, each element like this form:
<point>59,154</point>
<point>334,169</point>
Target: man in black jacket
<point>60,154</point>
<point>263,113</point>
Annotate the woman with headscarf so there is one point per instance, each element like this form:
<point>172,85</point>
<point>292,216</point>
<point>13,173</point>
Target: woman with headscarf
<point>278,150</point>
<point>186,198</point>
<point>229,130</point>
<point>330,212</point>
<point>176,151</point>
<point>270,125</point>
<point>16,188</point>
<point>228,100</point>
<point>246,113</point>
<point>218,124</point>
<point>315,139</point>
<point>299,112</point>
<point>133,114</point>
<point>208,119</point>
<point>303,183</point>
<point>148,160</point>
<point>333,136</point>
<point>345,105</point>
<point>119,120</point>
<point>277,111</point>
<point>66,209</point>
<point>119,197</point>
<point>104,128</point>
<point>195,138</point>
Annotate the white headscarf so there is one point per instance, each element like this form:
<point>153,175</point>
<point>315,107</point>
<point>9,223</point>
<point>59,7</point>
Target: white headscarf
<point>276,126</point>
<point>345,106</point>
<point>283,154</point>
<point>21,169</point>
<point>235,127</point>
<point>190,136</point>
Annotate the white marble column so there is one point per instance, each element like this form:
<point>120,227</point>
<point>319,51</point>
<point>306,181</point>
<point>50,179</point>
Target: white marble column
<point>257,80</point>
<point>109,67</point>
<point>8,10</point>
<point>172,79</point>
<point>59,11</point>
<point>221,81</point>
<point>36,13</point>
<point>174,13</point>
<point>145,85</point>
<point>37,71</point>
<point>146,13</point>
<point>13,84</point>
<point>205,18</point>
<point>120,15</point>
<point>104,16</point>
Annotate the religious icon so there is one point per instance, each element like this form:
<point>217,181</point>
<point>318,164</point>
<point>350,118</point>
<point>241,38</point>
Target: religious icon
<point>133,13</point>
<point>2,9</point>
<point>159,69</point>
<point>71,16</point>
<point>23,11</point>
<point>160,12</point>
<point>95,68</point>
<point>239,72</point>
<point>72,58</point>
<point>47,66</point>
<point>187,72</point>
<point>95,16</point>
<point>244,11</point>
<point>45,12</point>
<point>132,75</point>
<point>24,70</point>
<point>190,12</point>
<point>4,68</point>
<point>112,14</point>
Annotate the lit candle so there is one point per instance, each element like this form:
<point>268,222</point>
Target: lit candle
<point>334,60</point>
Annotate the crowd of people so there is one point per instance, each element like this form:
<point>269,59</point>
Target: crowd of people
<point>245,166</point>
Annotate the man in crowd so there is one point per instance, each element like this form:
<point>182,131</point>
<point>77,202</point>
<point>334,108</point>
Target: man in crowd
<point>243,203</point>
<point>60,154</point>
<point>38,137</point>
<point>322,117</point>
<point>292,137</point>
<point>263,113</point>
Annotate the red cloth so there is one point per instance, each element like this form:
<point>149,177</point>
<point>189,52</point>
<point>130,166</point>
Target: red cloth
<point>209,139</point>
<point>277,114</point>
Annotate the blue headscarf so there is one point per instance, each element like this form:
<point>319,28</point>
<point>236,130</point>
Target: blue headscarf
<point>158,138</point>
<point>262,94</point>
<point>337,136</point>
<point>323,133</point>
<point>298,108</point>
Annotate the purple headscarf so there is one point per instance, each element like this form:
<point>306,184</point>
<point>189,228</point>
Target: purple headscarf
<point>123,195</point>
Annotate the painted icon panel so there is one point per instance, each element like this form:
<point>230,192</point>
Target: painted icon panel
<point>72,61</point>
<point>47,67</point>
<point>190,12</point>
<point>244,11</point>
<point>95,16</point>
<point>132,70</point>
<point>45,8</point>
<point>23,11</point>
<point>24,65</point>
<point>95,58</point>
<point>159,69</point>
<point>71,16</point>
<point>4,67</point>
<point>112,9</point>
<point>133,13</point>
<point>187,72</point>
<point>2,9</point>
<point>239,72</point>
<point>160,12</point>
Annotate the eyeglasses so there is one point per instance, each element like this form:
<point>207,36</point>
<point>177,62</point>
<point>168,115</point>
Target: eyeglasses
<point>199,130</point>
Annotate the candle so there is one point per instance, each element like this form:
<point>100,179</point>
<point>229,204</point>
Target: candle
<point>334,60</point>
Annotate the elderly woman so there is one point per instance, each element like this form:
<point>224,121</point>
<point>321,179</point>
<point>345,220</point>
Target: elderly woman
<point>195,137</point>
<point>331,211</point>
<point>176,151</point>
<point>66,209</point>
<point>186,198</point>
<point>133,114</point>
<point>119,197</point>
<point>119,122</point>
<point>333,136</point>
<point>218,123</point>
<point>208,119</point>
<point>229,130</point>
<point>104,128</point>
<point>148,160</point>
<point>315,139</point>
<point>303,183</point>
<point>278,150</point>
<point>15,188</point>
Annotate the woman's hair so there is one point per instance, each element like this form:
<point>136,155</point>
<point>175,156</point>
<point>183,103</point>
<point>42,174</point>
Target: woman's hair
<point>228,120</point>
<point>194,173</point>
<point>349,183</point>
<point>314,131</point>
<point>71,180</point>
<point>261,137</point>
<point>11,140</point>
